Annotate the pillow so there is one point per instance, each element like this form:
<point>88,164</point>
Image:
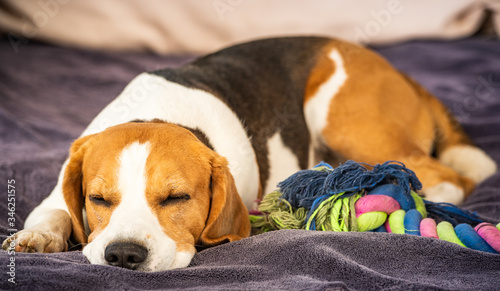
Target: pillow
<point>192,26</point>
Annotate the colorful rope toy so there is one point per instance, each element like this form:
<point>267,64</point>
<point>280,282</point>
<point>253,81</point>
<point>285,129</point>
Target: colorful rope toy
<point>361,197</point>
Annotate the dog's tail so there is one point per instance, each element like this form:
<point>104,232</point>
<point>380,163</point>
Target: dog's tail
<point>452,146</point>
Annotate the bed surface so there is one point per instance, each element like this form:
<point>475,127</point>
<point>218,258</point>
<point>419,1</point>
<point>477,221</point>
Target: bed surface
<point>49,94</point>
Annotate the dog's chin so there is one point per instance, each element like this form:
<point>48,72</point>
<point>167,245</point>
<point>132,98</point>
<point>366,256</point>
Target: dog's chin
<point>181,260</point>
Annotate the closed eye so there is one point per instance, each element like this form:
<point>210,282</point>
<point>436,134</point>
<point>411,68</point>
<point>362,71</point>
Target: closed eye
<point>175,198</point>
<point>99,200</point>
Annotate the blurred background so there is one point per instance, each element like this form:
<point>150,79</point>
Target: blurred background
<point>194,27</point>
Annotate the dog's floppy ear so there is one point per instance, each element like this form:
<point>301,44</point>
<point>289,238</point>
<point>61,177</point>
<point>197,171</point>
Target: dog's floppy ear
<point>228,217</point>
<point>72,187</point>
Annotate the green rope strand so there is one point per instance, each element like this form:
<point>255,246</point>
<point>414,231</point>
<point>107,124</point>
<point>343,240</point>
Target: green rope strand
<point>335,214</point>
<point>320,214</point>
<point>345,214</point>
<point>352,207</point>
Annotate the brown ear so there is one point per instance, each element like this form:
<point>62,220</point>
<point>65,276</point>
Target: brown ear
<point>72,188</point>
<point>228,217</point>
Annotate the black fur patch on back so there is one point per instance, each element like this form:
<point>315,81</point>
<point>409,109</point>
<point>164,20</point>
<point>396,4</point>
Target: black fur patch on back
<point>263,82</point>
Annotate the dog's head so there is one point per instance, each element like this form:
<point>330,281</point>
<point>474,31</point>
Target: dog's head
<point>152,191</point>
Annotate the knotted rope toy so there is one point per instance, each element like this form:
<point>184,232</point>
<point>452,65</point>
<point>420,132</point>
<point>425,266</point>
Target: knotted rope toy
<point>361,197</point>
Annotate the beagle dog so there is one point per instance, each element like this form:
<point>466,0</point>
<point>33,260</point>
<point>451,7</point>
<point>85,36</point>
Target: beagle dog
<point>178,158</point>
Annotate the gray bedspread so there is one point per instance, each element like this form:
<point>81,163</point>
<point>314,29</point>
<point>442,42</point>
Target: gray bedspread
<point>49,94</point>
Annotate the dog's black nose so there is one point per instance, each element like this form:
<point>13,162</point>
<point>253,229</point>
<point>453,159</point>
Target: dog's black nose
<point>125,255</point>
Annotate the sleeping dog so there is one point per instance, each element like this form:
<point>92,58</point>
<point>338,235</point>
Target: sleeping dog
<point>177,159</point>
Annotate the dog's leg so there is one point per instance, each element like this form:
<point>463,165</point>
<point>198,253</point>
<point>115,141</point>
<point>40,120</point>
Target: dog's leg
<point>47,228</point>
<point>366,130</point>
<point>453,148</point>
<point>470,161</point>
<point>48,236</point>
<point>440,183</point>
<point>377,114</point>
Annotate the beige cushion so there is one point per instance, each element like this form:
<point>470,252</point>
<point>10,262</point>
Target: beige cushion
<point>198,26</point>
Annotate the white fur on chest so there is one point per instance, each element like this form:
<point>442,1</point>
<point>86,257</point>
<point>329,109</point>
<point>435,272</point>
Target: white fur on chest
<point>149,96</point>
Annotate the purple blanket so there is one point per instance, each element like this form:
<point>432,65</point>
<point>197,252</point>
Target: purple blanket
<point>49,94</point>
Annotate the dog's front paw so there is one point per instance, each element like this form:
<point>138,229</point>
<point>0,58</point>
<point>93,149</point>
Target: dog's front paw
<point>36,241</point>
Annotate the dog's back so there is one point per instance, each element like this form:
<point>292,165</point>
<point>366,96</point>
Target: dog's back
<point>324,99</point>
